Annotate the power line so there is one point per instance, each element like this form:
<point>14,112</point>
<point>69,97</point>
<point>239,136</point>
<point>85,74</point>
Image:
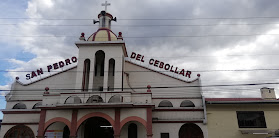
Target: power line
<point>238,70</point>
<point>197,18</point>
<point>190,56</point>
<point>177,36</point>
<point>157,87</point>
<point>169,25</point>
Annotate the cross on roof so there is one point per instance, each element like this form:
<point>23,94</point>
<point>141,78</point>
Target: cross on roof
<point>106,4</point>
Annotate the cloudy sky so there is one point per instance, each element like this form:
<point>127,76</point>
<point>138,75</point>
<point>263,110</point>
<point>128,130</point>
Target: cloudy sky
<point>226,41</point>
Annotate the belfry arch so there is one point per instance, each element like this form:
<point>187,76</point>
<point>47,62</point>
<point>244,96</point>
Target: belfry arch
<point>86,74</point>
<point>98,79</point>
<point>111,73</point>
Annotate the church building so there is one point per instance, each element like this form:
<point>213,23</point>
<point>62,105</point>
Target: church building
<point>108,94</point>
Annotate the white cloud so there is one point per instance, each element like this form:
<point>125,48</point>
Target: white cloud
<point>209,53</point>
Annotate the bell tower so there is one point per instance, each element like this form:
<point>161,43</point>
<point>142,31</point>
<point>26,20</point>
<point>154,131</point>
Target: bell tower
<point>101,57</point>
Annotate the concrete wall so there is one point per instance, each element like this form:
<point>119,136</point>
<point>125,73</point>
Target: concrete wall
<point>223,123</point>
<point>22,118</point>
<point>140,77</point>
<point>67,114</point>
<point>35,91</point>
<point>173,129</point>
<point>178,115</point>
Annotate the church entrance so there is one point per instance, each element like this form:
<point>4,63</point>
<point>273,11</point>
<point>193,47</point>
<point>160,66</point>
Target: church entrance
<point>98,127</point>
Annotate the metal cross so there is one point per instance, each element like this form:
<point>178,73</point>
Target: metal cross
<point>106,4</point>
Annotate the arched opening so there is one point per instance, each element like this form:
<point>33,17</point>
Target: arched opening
<point>116,99</point>
<point>20,131</point>
<point>187,103</point>
<point>95,127</point>
<point>73,100</point>
<point>165,103</point>
<point>86,72</point>
<point>20,106</point>
<point>57,130</point>
<point>95,99</point>
<point>66,132</point>
<point>111,73</point>
<point>190,131</point>
<point>98,80</point>
<point>132,131</point>
<point>36,105</point>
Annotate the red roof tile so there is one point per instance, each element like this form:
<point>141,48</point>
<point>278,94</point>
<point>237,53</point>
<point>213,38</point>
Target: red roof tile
<point>233,99</point>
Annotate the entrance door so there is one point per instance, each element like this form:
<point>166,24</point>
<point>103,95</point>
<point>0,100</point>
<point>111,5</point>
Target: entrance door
<point>190,131</point>
<point>97,127</point>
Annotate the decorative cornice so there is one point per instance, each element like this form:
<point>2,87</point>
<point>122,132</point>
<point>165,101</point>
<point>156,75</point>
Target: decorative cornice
<point>177,98</point>
<point>175,109</point>
<point>21,112</point>
<point>88,106</point>
<point>27,123</point>
<point>170,121</point>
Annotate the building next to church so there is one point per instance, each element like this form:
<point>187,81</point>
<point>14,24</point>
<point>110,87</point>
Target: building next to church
<point>107,94</point>
<point>244,117</point>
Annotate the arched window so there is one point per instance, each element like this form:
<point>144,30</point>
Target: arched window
<point>86,72</point>
<point>132,131</point>
<point>36,105</point>
<point>20,131</point>
<point>20,106</point>
<point>165,103</point>
<point>190,131</point>
<point>95,99</point>
<point>73,100</point>
<point>98,80</point>
<point>111,73</point>
<point>116,99</point>
<point>187,103</point>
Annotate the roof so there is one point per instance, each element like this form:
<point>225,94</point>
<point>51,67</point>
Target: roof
<point>233,99</point>
<point>103,34</point>
<point>240,101</point>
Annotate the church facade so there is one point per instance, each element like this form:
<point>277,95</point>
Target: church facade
<point>107,94</point>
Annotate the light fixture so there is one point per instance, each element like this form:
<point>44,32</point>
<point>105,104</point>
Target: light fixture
<point>105,126</point>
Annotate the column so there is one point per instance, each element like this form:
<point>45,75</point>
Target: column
<point>73,131</point>
<point>41,128</point>
<point>149,123</point>
<point>106,66</point>
<point>117,128</point>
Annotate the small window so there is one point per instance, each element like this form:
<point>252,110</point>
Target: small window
<point>20,106</point>
<point>116,99</point>
<point>73,100</point>
<point>165,135</point>
<point>36,105</point>
<point>251,119</point>
<point>95,99</point>
<point>165,103</point>
<point>187,103</point>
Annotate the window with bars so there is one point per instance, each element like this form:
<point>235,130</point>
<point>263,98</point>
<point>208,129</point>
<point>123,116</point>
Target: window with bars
<point>251,119</point>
